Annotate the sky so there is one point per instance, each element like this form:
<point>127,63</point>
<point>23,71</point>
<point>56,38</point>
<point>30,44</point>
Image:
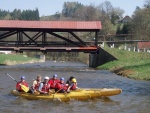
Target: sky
<point>49,7</point>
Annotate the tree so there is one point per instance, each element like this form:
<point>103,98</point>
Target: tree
<point>16,14</point>
<point>69,8</point>
<point>147,4</point>
<point>107,7</point>
<point>57,15</point>
<point>116,15</point>
<point>125,28</point>
<point>4,13</point>
<point>119,12</point>
<point>30,15</point>
<point>86,13</point>
<point>107,28</point>
<point>110,13</point>
<point>118,31</point>
<point>36,12</point>
<point>7,17</point>
<point>114,18</point>
<point>140,26</point>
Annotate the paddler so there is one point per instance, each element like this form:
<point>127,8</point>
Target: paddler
<point>72,85</point>
<point>36,83</point>
<point>69,81</point>
<point>53,81</point>
<point>61,86</point>
<point>44,87</point>
<point>21,82</point>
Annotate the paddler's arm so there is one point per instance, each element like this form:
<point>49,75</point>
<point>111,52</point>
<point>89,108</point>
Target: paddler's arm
<point>50,91</point>
<point>40,88</point>
<point>68,89</point>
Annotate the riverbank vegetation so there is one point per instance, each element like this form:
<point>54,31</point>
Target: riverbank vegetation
<point>13,59</point>
<point>129,64</point>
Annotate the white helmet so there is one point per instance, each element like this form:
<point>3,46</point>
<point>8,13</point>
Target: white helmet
<point>46,77</point>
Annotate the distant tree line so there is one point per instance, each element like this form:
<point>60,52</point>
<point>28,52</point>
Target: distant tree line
<point>17,14</point>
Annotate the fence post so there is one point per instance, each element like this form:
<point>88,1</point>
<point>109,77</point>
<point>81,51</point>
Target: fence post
<point>134,49</point>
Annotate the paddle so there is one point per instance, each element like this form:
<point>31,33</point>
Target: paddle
<point>26,89</point>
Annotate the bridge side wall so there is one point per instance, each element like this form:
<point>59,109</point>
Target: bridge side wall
<point>101,58</point>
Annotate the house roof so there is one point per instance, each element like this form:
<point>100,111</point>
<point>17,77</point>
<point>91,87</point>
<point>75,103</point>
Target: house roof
<point>126,19</point>
<point>142,45</point>
<point>61,25</point>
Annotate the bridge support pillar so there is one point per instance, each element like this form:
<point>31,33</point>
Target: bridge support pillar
<point>93,60</point>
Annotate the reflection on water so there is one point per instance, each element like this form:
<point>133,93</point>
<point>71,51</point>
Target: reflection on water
<point>135,97</point>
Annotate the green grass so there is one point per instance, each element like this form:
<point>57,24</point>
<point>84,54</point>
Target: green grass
<point>131,64</point>
<point>12,59</point>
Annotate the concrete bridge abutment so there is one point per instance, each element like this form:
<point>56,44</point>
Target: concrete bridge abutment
<point>100,58</point>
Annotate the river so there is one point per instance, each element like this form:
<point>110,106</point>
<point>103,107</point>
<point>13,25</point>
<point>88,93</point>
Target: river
<point>135,97</point>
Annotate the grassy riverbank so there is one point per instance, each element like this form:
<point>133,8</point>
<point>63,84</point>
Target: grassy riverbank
<point>13,59</point>
<point>130,64</point>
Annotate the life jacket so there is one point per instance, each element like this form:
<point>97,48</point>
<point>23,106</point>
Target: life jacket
<point>18,87</point>
<point>36,85</point>
<point>53,83</point>
<point>61,86</point>
<point>45,87</point>
<point>74,86</point>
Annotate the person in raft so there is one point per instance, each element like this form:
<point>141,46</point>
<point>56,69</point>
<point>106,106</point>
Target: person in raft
<point>44,87</point>
<point>36,84</point>
<point>53,81</point>
<point>69,81</point>
<point>21,82</point>
<point>72,85</point>
<point>61,86</point>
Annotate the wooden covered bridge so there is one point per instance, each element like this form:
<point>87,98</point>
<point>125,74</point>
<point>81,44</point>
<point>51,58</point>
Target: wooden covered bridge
<point>48,36</point>
<point>17,35</point>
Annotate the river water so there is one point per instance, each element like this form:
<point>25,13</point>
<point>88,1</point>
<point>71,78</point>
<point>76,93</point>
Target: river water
<point>135,97</point>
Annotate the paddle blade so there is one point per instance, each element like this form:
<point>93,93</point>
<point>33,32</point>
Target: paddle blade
<point>24,88</point>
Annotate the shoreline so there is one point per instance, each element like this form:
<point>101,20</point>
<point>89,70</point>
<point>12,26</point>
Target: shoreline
<point>133,65</point>
<point>14,59</point>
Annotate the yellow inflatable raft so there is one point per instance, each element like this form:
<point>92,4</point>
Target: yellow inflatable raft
<point>79,94</point>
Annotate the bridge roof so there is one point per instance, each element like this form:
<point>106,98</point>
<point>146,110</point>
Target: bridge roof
<point>51,25</point>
